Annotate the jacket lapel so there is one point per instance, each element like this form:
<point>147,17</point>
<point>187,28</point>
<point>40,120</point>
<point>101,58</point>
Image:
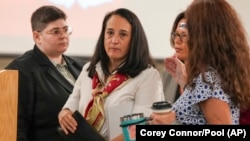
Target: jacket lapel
<point>60,79</point>
<point>51,69</point>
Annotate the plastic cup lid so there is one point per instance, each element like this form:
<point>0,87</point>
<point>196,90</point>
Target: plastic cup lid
<point>161,105</point>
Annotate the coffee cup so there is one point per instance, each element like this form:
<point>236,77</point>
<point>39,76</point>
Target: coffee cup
<point>163,107</point>
<point>160,107</point>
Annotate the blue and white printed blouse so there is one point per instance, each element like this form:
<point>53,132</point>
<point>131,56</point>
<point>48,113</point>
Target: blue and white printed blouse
<point>186,107</point>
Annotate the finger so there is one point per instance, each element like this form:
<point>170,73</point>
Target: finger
<point>70,123</point>
<point>171,71</point>
<point>178,62</point>
<point>169,61</point>
<point>155,120</point>
<point>64,129</point>
<point>68,127</point>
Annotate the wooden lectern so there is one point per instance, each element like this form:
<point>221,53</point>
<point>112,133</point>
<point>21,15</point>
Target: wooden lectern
<point>8,104</point>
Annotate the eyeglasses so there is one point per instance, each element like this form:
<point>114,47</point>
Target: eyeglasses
<point>58,32</point>
<point>183,37</point>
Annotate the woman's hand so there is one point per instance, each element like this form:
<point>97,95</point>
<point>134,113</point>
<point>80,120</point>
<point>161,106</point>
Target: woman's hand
<point>67,121</point>
<point>177,69</point>
<point>163,118</point>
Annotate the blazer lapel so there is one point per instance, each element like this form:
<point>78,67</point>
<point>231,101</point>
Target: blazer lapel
<point>51,69</point>
<point>60,79</point>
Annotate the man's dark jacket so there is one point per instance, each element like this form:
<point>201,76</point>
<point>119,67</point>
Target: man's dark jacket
<point>42,93</point>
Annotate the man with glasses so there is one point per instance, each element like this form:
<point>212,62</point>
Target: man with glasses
<point>46,76</point>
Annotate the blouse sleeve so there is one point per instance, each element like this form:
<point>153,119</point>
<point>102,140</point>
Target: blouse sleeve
<point>202,91</point>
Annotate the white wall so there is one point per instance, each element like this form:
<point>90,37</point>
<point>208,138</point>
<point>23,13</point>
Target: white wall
<point>156,16</point>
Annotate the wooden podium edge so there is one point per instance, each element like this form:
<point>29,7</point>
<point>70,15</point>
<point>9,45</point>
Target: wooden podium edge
<point>8,104</point>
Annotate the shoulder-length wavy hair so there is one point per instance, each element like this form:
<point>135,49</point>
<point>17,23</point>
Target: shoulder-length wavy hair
<point>138,57</point>
<point>218,39</point>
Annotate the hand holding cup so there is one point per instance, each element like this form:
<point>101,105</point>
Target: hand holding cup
<point>162,113</point>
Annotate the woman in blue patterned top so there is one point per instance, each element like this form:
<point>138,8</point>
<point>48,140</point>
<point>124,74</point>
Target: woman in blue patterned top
<point>215,75</point>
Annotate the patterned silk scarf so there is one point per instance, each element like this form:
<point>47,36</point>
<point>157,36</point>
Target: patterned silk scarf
<point>95,110</point>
